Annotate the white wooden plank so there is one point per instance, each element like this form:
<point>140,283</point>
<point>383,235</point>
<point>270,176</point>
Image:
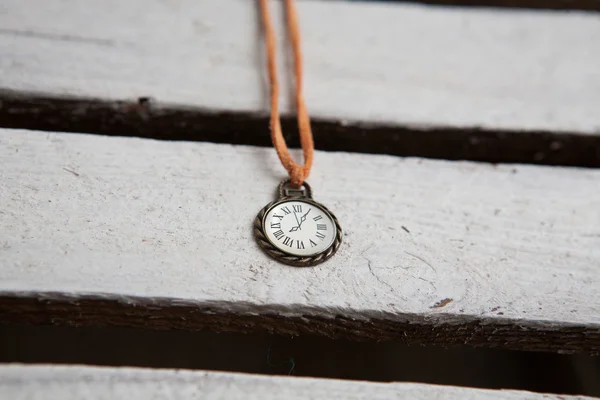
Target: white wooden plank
<point>78,382</point>
<point>425,241</point>
<point>409,65</point>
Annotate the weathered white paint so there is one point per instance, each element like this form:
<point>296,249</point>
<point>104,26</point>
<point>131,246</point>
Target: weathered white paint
<point>79,382</point>
<point>172,221</point>
<point>397,63</point>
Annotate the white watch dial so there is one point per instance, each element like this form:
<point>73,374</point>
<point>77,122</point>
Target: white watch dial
<point>299,228</point>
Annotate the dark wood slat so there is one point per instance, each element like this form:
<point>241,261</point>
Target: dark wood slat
<point>147,119</point>
<point>302,356</point>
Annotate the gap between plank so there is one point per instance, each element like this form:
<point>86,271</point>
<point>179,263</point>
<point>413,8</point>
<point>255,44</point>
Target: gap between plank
<point>301,357</point>
<point>148,119</point>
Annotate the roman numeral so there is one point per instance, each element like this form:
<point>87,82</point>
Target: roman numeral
<point>297,208</point>
<point>278,216</point>
<point>320,235</point>
<point>288,241</point>
<point>278,234</point>
<point>276,225</point>
<point>318,217</point>
<point>321,227</point>
<point>300,244</point>
<point>312,244</point>
<point>286,210</point>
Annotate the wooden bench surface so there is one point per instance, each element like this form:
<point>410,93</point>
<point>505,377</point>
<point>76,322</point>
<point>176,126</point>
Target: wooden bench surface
<point>129,231</point>
<point>365,61</point>
<point>77,382</point>
<point>138,232</point>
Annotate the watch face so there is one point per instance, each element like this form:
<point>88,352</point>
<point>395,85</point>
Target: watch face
<point>299,227</point>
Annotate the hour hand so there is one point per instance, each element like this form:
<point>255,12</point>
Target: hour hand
<point>295,228</point>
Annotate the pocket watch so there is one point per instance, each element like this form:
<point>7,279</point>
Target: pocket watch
<point>296,230</point>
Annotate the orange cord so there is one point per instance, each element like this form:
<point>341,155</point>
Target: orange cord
<point>298,173</point>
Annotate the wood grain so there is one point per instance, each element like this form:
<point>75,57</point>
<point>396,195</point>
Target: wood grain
<point>411,65</point>
<point>77,382</point>
<point>125,231</point>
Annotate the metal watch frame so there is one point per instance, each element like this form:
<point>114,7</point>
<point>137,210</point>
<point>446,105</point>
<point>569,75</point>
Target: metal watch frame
<point>289,194</point>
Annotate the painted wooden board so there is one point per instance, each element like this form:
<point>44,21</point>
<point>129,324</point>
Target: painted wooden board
<point>368,62</point>
<point>77,382</point>
<point>127,231</point>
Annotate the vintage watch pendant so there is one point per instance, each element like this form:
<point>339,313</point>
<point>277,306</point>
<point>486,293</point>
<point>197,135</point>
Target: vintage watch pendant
<point>296,230</point>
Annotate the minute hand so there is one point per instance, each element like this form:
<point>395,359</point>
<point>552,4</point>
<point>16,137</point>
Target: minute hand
<point>303,218</point>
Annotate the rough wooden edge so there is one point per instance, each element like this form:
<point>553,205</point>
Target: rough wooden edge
<point>584,5</point>
<point>163,313</point>
<point>147,119</point>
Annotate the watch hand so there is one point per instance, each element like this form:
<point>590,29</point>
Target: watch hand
<point>295,228</point>
<point>303,218</point>
<point>296,216</point>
